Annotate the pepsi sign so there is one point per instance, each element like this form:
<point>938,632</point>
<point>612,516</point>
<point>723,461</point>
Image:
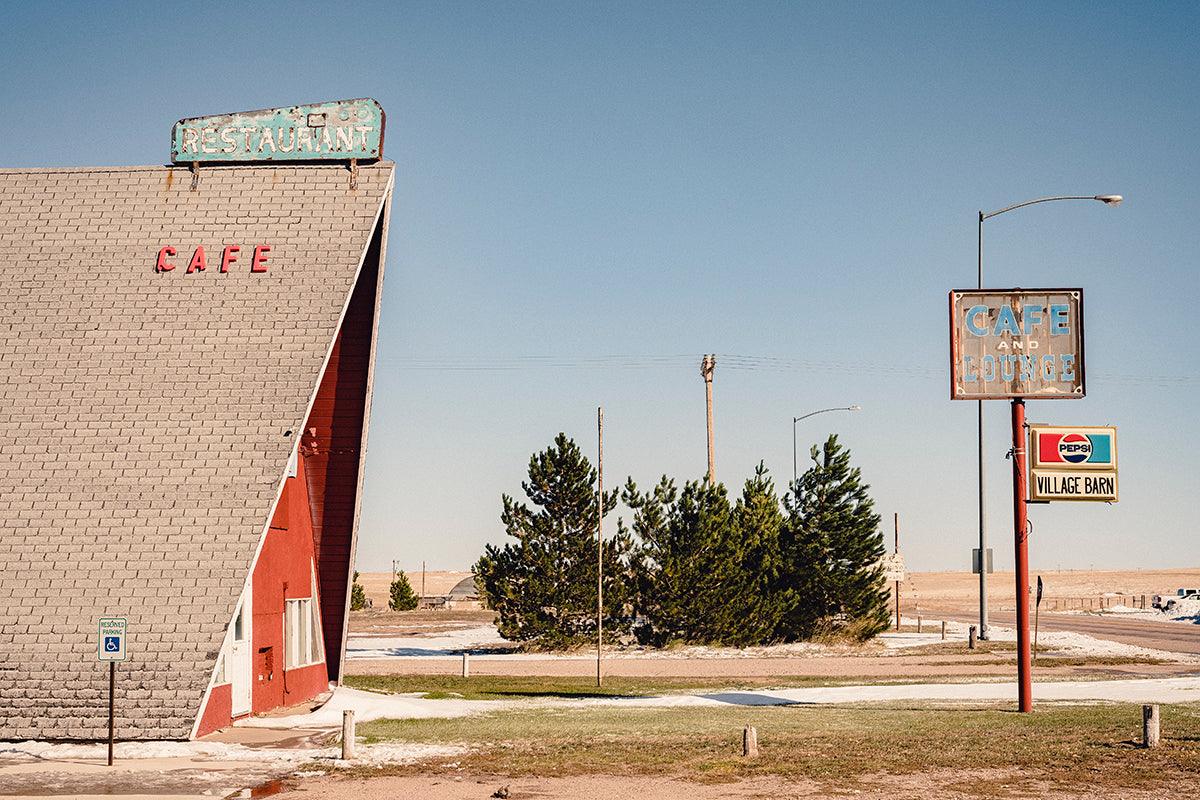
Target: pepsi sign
<point>1073,448</point>
<point>1072,463</point>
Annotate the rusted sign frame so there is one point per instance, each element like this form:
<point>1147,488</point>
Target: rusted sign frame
<point>955,345</point>
<point>307,117</point>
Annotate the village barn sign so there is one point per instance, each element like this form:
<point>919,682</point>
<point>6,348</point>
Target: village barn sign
<point>1072,463</point>
<point>340,130</point>
<point>1016,343</point>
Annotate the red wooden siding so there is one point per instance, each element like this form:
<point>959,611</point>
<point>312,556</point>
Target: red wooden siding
<point>217,711</point>
<point>284,572</point>
<point>331,447</point>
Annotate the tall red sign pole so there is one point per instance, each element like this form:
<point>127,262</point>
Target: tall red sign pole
<point>1021,537</point>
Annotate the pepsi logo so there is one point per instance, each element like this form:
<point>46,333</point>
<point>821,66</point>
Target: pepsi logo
<point>1074,448</point>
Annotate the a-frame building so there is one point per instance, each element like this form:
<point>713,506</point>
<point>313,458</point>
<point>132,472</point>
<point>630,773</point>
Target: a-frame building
<point>185,388</point>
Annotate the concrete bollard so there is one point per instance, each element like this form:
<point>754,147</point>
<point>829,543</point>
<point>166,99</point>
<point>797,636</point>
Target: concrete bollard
<point>1150,726</point>
<point>466,672</point>
<point>971,638</point>
<point>918,624</point>
<point>348,735</point>
<point>749,742</point>
<point>943,630</point>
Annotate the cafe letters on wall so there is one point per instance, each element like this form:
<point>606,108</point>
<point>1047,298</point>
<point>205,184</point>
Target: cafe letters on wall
<point>230,255</point>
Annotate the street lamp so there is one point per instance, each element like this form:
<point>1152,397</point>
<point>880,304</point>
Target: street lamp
<point>1108,200</point>
<point>855,407</point>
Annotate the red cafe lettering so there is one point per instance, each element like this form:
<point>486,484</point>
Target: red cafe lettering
<point>230,255</point>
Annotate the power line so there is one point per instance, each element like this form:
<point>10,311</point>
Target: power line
<point>740,362</point>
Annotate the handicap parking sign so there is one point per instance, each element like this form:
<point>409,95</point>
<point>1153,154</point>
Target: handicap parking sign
<point>111,644</point>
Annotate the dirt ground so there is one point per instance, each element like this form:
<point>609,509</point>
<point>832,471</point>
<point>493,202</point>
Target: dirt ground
<point>946,784</point>
<point>437,583</point>
<point>923,591</point>
<point>900,667</point>
<point>422,622</point>
<point>934,591</point>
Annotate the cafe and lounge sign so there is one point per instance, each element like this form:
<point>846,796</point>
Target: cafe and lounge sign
<point>1016,343</point>
<point>340,130</point>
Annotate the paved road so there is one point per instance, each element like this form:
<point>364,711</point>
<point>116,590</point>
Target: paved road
<point>1174,637</point>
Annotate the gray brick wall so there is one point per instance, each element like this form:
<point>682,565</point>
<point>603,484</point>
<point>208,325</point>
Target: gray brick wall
<point>142,418</point>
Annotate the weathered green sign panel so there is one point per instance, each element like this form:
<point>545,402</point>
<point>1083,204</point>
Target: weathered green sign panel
<point>339,130</point>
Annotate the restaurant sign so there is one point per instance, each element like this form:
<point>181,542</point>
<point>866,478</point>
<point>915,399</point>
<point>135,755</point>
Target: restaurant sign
<point>340,130</point>
<point>1007,343</point>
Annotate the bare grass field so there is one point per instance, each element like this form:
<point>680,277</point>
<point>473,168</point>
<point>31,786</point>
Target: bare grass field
<point>889,750</point>
<point>438,583</point>
<point>955,591</point>
<point>910,749</point>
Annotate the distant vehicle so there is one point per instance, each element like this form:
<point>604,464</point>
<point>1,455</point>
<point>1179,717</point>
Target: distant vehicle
<point>1166,603</point>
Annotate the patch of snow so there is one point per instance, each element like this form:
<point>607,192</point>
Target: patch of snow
<point>373,705</point>
<point>1185,611</point>
<point>1070,643</point>
<point>1150,690</point>
<point>220,751</point>
<point>893,640</point>
<point>368,705</point>
<point>446,643</point>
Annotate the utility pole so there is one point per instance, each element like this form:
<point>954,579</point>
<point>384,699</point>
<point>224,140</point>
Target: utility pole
<point>422,580</point>
<point>599,540</point>
<point>896,550</point>
<point>707,365</point>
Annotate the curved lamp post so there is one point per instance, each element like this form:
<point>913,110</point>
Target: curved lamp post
<point>1108,200</point>
<point>806,416</point>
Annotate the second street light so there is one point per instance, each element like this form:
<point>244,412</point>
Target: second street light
<point>806,416</point>
<point>1108,200</point>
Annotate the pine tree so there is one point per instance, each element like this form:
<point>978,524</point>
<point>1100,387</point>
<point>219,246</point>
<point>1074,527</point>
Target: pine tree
<point>401,594</point>
<point>695,575</point>
<point>358,597</point>
<point>543,586</point>
<point>758,522</point>
<point>831,580</point>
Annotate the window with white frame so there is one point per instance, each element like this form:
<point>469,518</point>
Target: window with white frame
<point>301,634</point>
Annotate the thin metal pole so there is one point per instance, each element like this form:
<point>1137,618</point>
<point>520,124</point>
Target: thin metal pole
<point>1037,610</point>
<point>1108,200</point>
<point>794,472</point>
<point>1020,535</point>
<point>983,540</point>
<point>112,686</point>
<point>599,541</point>
<point>896,529</point>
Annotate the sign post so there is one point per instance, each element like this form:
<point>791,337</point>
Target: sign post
<point>110,647</point>
<point>893,566</point>
<point>1021,538</point>
<point>1037,608</point>
<point>1013,344</point>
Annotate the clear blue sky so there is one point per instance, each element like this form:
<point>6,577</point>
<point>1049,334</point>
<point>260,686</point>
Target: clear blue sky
<point>589,197</point>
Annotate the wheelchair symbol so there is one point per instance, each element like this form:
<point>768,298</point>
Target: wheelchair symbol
<point>112,644</point>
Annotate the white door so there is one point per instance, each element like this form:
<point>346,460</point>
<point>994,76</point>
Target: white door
<point>239,664</point>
